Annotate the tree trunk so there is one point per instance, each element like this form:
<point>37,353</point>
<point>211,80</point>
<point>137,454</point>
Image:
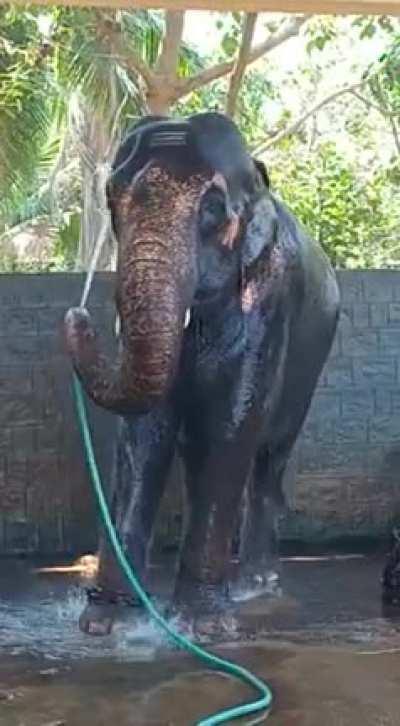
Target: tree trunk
<point>249,25</point>
<point>160,99</point>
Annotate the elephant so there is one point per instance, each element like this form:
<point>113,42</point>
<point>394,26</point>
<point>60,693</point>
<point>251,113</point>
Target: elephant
<point>228,311</point>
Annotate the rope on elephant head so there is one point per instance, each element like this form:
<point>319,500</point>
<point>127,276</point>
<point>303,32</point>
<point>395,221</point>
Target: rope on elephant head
<point>261,704</point>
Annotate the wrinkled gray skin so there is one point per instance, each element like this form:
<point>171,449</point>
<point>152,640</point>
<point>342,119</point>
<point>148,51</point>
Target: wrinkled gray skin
<point>198,229</point>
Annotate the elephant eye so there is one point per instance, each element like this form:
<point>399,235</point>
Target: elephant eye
<point>213,212</point>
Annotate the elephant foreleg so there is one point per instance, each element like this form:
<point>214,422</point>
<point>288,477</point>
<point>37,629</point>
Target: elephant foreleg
<point>215,486</point>
<point>143,454</point>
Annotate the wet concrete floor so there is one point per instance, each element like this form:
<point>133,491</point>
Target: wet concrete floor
<point>330,654</point>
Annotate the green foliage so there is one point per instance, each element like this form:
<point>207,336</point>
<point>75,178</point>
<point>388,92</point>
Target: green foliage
<point>385,78</point>
<point>27,106</point>
<point>208,98</point>
<point>66,245</point>
<point>368,25</point>
<point>48,57</point>
<point>356,219</point>
<point>231,24</point>
<point>255,92</point>
<point>320,32</point>
<point>10,263</point>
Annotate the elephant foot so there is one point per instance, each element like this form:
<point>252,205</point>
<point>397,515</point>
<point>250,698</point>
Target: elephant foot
<point>257,581</point>
<point>98,619</point>
<point>206,626</point>
<point>204,611</point>
<point>103,609</point>
<point>214,628</point>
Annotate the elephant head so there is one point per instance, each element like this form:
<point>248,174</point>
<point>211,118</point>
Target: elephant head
<point>190,209</point>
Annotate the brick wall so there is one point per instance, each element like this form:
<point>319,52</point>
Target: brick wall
<point>343,480</point>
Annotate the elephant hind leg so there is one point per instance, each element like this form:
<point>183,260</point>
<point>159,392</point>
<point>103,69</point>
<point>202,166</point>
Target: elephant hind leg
<point>259,548</point>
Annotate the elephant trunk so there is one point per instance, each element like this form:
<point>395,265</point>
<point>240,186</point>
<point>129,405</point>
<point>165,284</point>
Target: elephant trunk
<point>153,220</point>
<point>152,315</point>
<point>152,311</point>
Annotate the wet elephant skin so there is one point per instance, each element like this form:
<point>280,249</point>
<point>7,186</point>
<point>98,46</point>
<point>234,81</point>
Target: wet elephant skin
<point>200,233</point>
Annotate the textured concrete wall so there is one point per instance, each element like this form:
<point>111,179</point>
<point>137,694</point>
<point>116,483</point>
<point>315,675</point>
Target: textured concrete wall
<point>344,478</point>
<point>45,501</point>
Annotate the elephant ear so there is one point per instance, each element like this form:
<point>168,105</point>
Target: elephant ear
<point>262,169</point>
<point>262,227</point>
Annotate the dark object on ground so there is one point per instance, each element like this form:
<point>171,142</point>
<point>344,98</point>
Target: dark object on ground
<point>391,572</point>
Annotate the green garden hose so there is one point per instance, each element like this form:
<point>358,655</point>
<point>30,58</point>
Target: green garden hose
<point>261,704</point>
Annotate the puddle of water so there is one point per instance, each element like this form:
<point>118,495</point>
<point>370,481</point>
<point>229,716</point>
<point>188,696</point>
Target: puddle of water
<point>337,598</point>
<point>39,616</point>
<point>50,628</point>
<point>51,674</point>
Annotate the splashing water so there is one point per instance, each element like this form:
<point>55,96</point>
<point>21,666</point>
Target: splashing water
<point>268,585</point>
<point>49,628</point>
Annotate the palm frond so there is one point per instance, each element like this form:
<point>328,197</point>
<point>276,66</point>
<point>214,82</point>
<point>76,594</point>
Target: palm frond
<point>42,74</point>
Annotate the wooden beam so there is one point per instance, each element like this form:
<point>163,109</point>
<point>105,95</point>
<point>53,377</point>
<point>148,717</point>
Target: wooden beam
<point>318,7</point>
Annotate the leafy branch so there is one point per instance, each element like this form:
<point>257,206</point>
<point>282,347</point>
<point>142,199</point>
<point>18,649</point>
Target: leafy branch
<point>298,123</point>
<point>163,86</point>
<point>289,29</point>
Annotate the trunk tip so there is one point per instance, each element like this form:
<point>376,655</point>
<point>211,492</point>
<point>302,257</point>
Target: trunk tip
<point>77,329</point>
